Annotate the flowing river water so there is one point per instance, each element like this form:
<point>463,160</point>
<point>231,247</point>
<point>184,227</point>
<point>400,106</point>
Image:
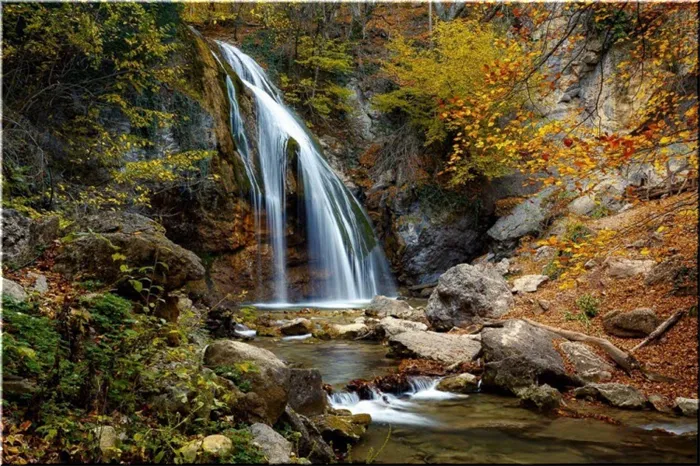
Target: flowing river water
<point>430,426</point>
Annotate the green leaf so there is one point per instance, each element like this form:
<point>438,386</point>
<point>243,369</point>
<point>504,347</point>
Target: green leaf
<point>118,257</point>
<point>124,268</point>
<point>159,456</point>
<point>138,286</point>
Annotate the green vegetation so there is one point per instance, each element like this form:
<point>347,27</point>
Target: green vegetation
<point>589,305</point>
<point>102,362</point>
<point>83,87</point>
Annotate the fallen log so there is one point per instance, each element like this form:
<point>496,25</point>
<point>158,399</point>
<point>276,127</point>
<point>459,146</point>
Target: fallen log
<point>664,327</point>
<point>625,360</point>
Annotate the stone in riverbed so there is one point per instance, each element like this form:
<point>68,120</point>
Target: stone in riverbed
<point>350,331</point>
<point>381,307</point>
<point>299,326</point>
<point>589,366</point>
<point>633,324</point>
<point>519,355</point>
<point>445,348</point>
<point>462,383</point>
<point>311,444</point>
<point>467,294</point>
<point>342,429</point>
<point>528,283</point>
<point>276,448</point>
<point>540,397</point>
<point>616,394</point>
<point>687,406</point>
<point>306,394</point>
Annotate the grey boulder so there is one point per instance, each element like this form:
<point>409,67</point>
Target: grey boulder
<point>468,294</point>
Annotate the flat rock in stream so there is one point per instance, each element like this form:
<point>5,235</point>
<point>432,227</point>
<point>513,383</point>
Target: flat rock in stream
<point>350,331</point>
<point>442,347</point>
<point>389,326</point>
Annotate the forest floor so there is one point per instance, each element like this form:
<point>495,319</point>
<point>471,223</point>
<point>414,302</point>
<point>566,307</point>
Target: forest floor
<point>675,354</point>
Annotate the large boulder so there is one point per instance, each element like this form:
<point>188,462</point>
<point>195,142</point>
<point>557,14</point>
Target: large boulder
<point>445,348</point>
<point>588,365</point>
<point>270,381</point>
<point>381,307</point>
<point>616,394</point>
<point>140,240</point>
<point>467,294</point>
<point>633,324</point>
<point>519,355</point>
<point>389,326</point>
<point>276,448</point>
<point>306,394</point>
<point>23,238</point>
<point>13,289</point>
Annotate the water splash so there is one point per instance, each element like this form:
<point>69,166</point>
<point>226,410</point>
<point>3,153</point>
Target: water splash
<point>340,238</point>
<point>386,408</point>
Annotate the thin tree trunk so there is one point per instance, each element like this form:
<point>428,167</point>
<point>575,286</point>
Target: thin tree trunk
<point>625,360</point>
<point>661,329</point>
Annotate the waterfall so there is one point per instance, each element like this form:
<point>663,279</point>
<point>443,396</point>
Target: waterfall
<point>340,238</point>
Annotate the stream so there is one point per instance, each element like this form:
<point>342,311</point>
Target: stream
<point>426,425</point>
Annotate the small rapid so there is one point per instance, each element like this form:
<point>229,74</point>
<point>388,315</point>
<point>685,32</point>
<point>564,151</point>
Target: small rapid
<point>386,408</point>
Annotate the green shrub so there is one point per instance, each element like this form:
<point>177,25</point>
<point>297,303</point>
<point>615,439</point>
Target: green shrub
<point>576,232</point>
<point>552,269</point>
<point>588,305</point>
<point>30,342</point>
<point>599,211</point>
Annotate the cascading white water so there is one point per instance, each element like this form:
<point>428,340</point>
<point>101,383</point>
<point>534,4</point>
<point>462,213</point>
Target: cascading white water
<point>390,409</point>
<point>340,238</point>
